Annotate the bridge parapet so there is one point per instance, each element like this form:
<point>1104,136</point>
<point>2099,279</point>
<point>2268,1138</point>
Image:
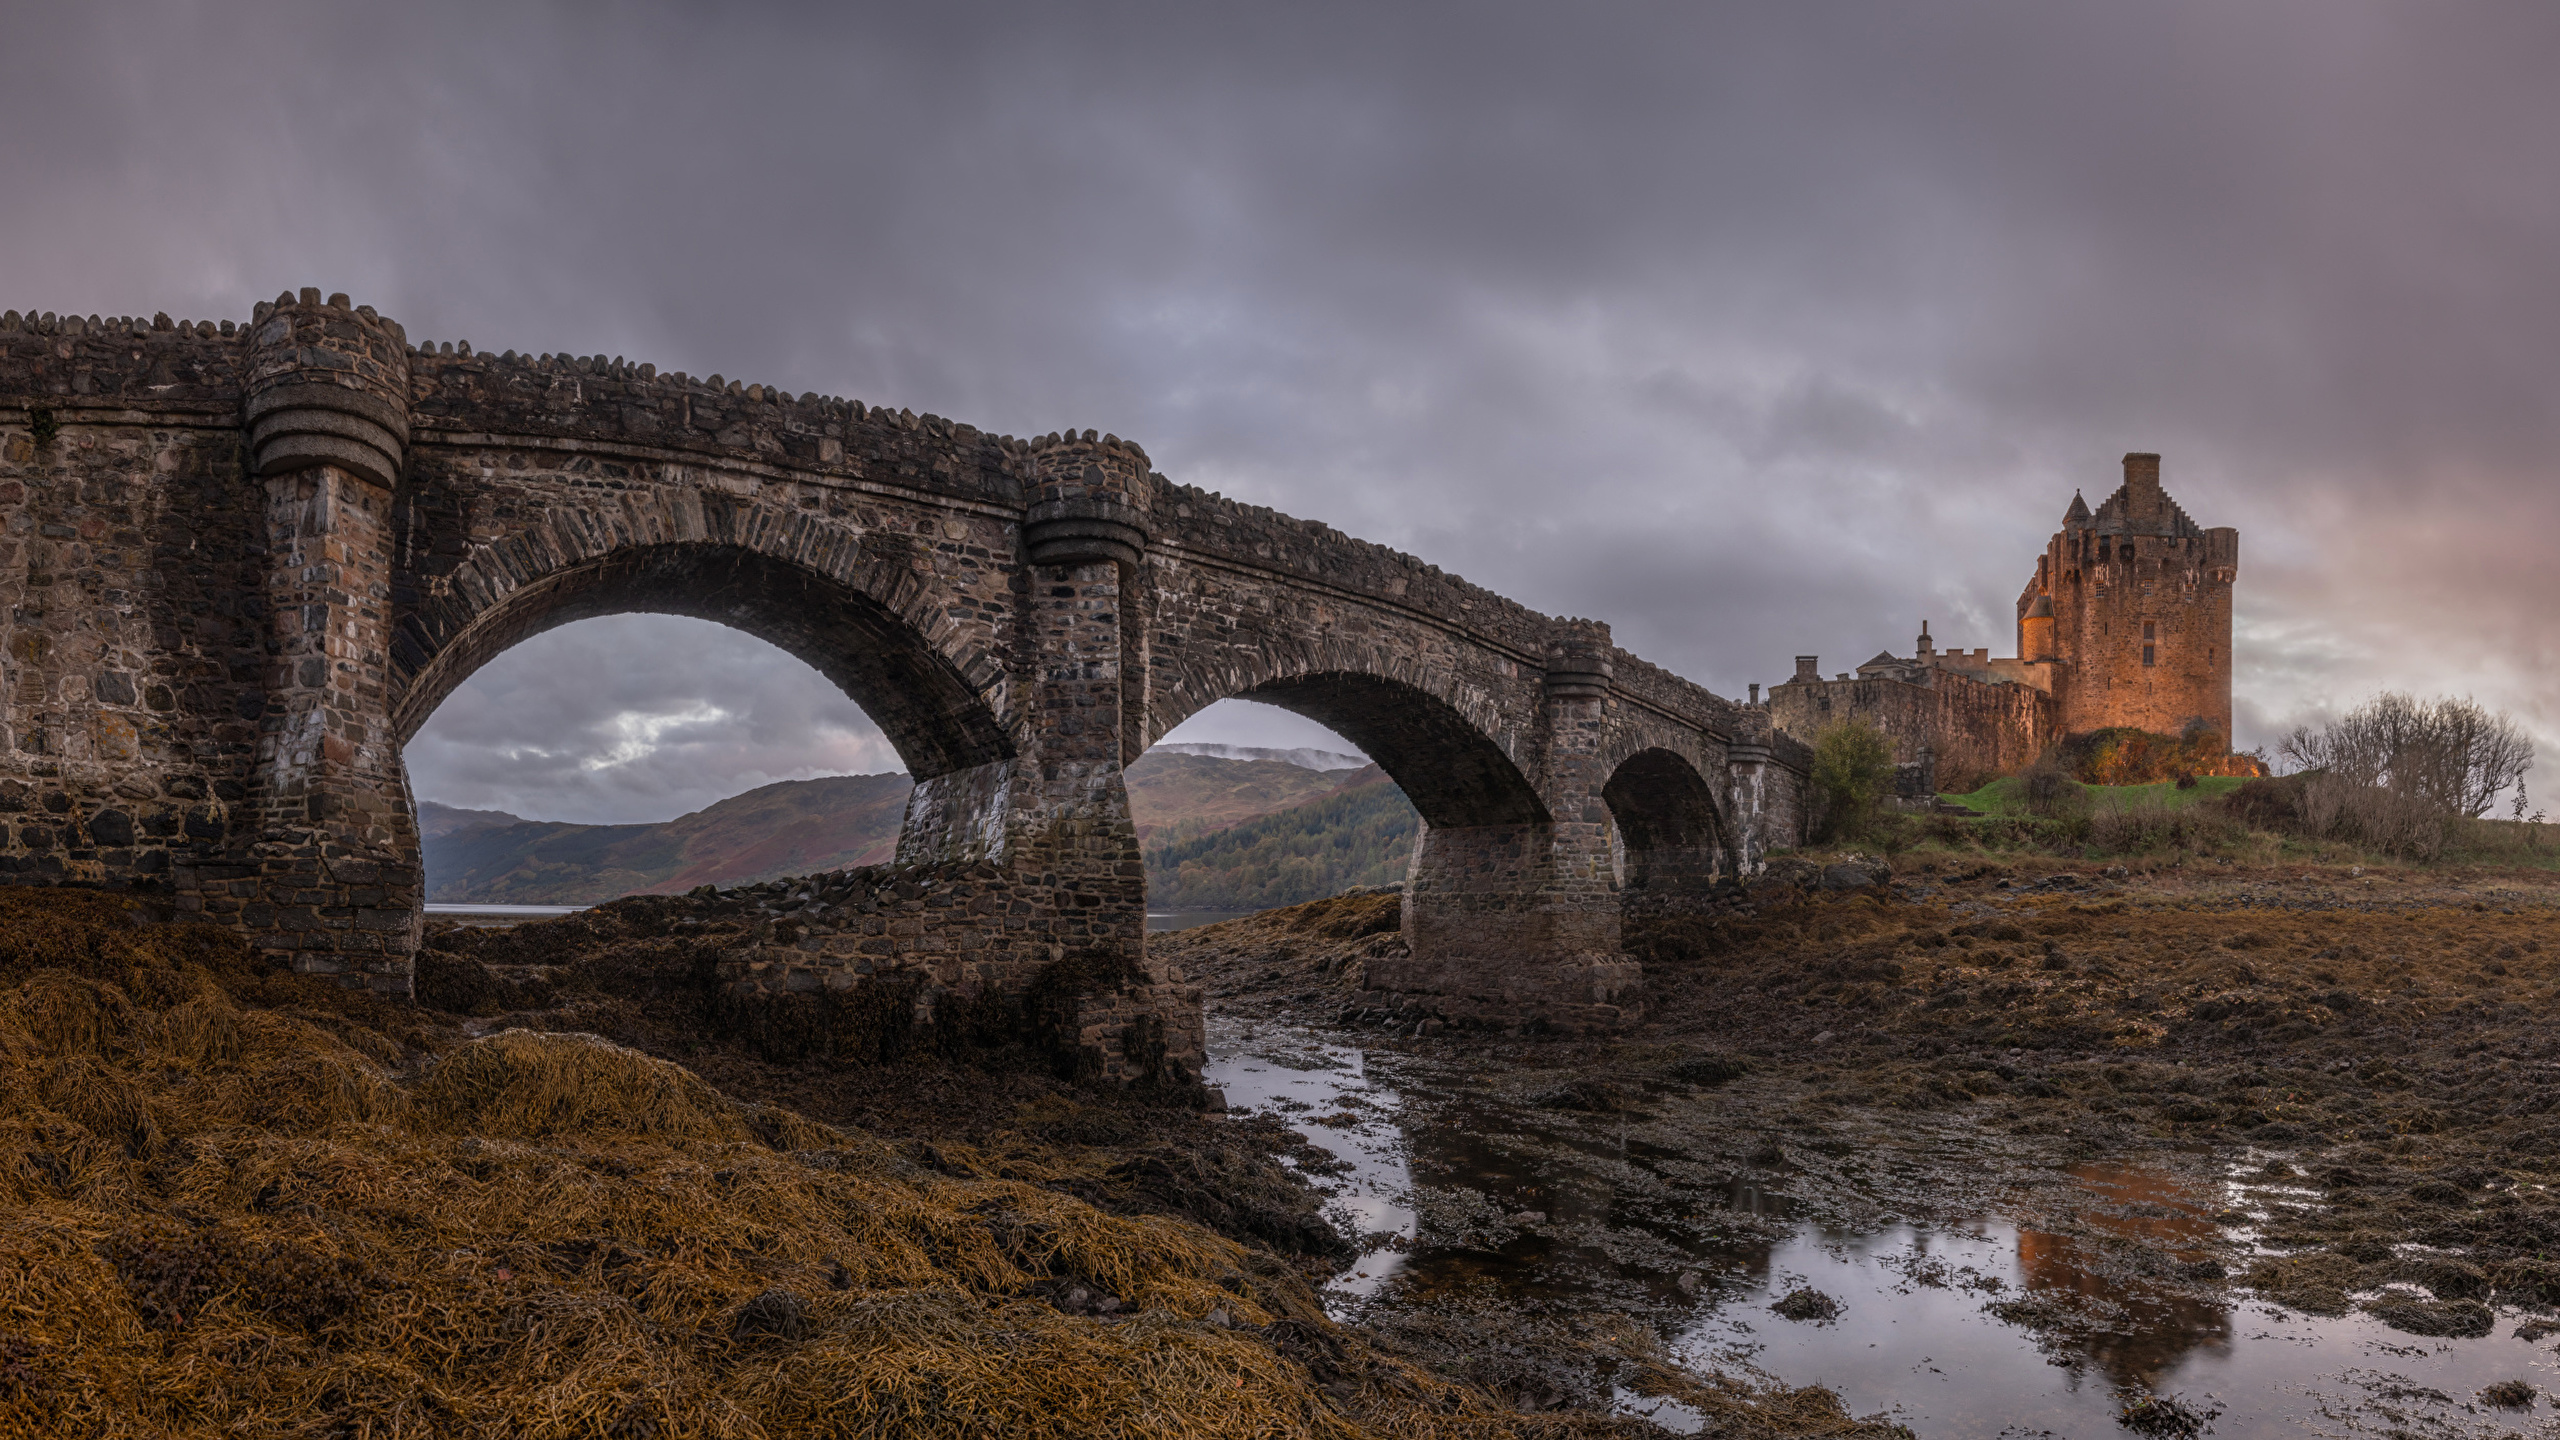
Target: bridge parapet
<point>601,402</point>
<point>73,362</point>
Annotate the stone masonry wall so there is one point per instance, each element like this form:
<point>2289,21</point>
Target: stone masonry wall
<point>1976,730</point>
<point>964,933</point>
<point>133,622</point>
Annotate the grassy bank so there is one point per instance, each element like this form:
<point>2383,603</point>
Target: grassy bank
<point>2216,818</point>
<point>2007,795</point>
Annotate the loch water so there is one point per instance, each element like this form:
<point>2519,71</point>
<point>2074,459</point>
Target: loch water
<point>2012,1305</point>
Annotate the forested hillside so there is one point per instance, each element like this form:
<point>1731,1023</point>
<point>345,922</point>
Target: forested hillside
<point>1360,834</point>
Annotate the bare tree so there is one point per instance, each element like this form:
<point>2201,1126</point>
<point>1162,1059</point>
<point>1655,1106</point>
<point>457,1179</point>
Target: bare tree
<point>2451,755</point>
<point>2304,749</point>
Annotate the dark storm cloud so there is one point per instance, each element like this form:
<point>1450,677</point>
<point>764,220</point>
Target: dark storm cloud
<point>1751,330</point>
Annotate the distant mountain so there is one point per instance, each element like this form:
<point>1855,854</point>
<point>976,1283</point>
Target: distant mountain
<point>790,828</point>
<point>1308,759</point>
<point>1182,794</point>
<point>436,821</point>
<point>797,826</point>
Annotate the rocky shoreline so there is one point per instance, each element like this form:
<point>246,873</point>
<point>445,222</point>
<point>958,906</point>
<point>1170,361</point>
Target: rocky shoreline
<point>2374,1045</point>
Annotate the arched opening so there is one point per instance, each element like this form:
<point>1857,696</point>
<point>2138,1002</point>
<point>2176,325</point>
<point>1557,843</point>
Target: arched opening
<point>646,754</point>
<point>1238,829</point>
<point>1245,806</point>
<point>931,713</point>
<point>1670,833</point>
<point>604,699</point>
<point>1454,773</point>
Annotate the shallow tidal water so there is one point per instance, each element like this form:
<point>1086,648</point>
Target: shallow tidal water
<point>1977,1294</point>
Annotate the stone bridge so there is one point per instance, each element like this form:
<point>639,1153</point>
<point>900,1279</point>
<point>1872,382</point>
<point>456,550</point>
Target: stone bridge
<point>243,564</point>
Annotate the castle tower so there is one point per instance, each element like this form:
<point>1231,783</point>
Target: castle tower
<point>2129,612</point>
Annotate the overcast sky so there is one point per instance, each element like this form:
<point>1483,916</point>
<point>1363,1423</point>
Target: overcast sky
<point>1749,329</point>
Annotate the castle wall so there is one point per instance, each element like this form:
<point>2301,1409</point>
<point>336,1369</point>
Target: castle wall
<point>1974,729</point>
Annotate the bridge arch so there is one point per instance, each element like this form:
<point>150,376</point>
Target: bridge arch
<point>858,619</point>
<point>1445,744</point>
<point>1454,773</point>
<point>1670,827</point>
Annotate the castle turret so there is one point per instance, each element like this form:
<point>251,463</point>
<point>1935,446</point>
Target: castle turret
<point>2035,631</point>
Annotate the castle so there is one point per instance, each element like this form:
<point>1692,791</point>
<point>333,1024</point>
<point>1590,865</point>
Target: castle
<point>2126,622</point>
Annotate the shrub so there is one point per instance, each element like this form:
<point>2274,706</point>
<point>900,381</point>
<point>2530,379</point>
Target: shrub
<point>1852,769</point>
<point>2148,824</point>
<point>2052,793</point>
<point>2325,806</point>
<point>2267,804</point>
<point>2394,822</point>
<point>2126,755</point>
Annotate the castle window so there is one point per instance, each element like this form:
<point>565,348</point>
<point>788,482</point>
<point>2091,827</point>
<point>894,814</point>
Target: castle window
<point>2148,651</point>
<point>2150,629</point>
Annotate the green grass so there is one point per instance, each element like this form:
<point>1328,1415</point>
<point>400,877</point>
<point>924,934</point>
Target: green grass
<point>2008,796</point>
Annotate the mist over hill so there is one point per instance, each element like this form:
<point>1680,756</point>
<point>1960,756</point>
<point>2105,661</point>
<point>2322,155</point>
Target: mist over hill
<point>1218,832</point>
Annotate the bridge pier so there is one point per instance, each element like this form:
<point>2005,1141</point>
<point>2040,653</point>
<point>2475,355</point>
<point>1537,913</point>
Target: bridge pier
<point>1521,922</point>
<point>330,876</point>
<point>1054,822</point>
<point>1504,924</point>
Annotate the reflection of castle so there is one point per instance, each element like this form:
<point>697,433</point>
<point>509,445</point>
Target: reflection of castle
<point>2159,1215</point>
<point>2127,621</point>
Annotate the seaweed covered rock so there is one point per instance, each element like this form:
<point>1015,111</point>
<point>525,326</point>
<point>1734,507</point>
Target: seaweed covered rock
<point>236,1208</point>
<point>526,1085</point>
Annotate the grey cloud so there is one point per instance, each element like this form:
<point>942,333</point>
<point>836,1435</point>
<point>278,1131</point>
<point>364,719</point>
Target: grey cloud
<point>1752,329</point>
<point>637,717</point>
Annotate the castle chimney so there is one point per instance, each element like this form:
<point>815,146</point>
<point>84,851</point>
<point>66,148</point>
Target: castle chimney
<point>1927,646</point>
<point>1808,670</point>
<point>2142,497</point>
<point>1755,692</point>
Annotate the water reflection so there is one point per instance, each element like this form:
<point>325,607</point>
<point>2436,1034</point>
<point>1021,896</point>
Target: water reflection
<point>2150,1325</point>
<point>1185,919</point>
<point>1324,1091</point>
<point>1984,1325</point>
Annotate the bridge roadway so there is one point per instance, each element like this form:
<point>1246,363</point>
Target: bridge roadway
<point>242,564</point>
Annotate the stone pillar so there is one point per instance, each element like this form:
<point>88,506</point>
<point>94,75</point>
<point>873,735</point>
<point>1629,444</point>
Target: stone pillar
<point>1056,818</point>
<point>332,873</point>
<point>1518,922</point>
<point>1580,891</point>
<point>1750,775</point>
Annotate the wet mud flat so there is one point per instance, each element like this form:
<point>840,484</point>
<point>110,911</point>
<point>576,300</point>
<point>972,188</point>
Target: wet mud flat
<point>1982,1150</point>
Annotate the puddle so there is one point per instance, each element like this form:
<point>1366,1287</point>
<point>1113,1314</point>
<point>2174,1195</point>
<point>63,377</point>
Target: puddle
<point>1324,1090</point>
<point>2026,1312</point>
